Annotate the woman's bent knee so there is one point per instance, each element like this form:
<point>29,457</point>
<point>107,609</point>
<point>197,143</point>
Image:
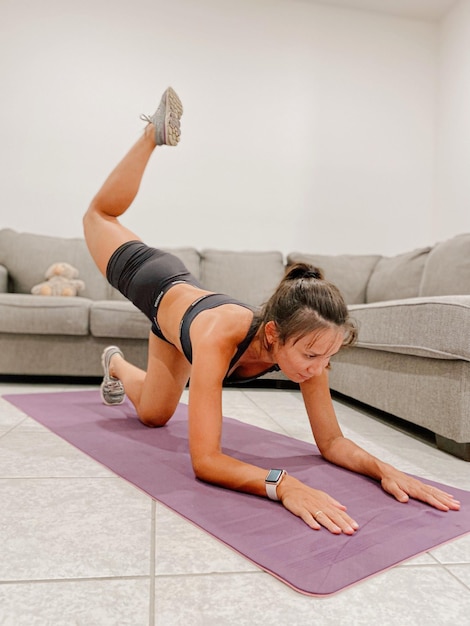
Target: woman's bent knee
<point>103,235</point>
<point>91,222</point>
<point>153,420</point>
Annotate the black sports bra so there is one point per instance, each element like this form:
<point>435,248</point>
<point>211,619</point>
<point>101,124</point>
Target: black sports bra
<point>211,301</point>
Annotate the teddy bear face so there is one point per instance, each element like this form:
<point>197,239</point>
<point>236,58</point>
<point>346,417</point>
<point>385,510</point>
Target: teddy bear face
<point>64,270</point>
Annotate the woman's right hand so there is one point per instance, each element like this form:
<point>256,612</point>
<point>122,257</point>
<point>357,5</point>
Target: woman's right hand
<point>316,508</point>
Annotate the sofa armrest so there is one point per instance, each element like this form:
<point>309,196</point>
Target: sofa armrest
<point>3,279</point>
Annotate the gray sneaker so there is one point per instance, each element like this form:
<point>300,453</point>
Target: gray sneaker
<point>166,119</point>
<point>112,389</point>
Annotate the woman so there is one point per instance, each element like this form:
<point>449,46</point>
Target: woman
<point>211,338</point>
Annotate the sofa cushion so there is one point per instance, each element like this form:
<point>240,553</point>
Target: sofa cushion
<point>349,272</point>
<point>27,257</point>
<point>251,277</point>
<point>397,277</point>
<point>447,270</point>
<point>43,315</point>
<point>430,327</point>
<point>118,319</point>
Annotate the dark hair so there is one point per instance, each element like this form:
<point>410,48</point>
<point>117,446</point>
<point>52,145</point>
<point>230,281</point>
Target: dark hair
<point>305,302</point>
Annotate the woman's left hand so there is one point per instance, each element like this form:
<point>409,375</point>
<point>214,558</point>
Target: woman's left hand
<point>404,487</point>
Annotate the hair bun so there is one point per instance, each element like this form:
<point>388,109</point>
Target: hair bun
<point>313,274</point>
<point>303,270</point>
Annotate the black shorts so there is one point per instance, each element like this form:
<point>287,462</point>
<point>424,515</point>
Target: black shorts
<point>143,275</point>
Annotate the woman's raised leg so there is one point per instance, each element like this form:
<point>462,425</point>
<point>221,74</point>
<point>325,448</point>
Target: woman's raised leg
<point>103,231</point>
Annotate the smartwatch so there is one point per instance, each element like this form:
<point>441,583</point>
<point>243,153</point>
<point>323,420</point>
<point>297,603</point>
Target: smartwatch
<point>272,480</point>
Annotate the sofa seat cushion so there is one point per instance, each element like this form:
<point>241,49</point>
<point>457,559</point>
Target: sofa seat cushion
<point>436,327</point>
<point>118,319</point>
<point>349,272</point>
<point>43,315</point>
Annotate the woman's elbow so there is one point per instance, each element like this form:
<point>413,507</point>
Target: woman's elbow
<point>204,467</point>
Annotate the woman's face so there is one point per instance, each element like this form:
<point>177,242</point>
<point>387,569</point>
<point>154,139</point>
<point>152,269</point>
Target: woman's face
<point>304,358</point>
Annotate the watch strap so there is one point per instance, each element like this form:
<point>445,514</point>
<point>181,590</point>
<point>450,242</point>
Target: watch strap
<point>271,487</point>
<point>271,491</point>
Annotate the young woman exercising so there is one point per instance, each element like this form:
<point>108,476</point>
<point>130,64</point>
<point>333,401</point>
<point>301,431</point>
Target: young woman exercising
<point>208,338</point>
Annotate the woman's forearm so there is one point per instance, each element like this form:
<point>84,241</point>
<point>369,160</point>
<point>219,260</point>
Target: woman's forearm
<point>226,471</point>
<point>347,454</point>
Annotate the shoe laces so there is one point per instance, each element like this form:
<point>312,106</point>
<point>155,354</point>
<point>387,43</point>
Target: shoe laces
<point>113,386</point>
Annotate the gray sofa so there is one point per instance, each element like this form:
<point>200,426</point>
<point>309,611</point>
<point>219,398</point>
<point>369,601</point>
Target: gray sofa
<point>412,358</point>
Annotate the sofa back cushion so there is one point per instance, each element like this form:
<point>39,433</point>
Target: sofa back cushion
<point>27,257</point>
<point>349,272</point>
<point>397,277</point>
<point>251,277</point>
<point>3,279</point>
<point>447,270</point>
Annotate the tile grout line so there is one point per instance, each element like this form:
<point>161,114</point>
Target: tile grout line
<point>197,575</point>
<point>83,579</point>
<point>12,428</point>
<point>446,567</point>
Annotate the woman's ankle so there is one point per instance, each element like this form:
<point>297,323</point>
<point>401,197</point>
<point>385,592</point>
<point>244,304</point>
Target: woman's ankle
<point>149,134</point>
<point>112,365</point>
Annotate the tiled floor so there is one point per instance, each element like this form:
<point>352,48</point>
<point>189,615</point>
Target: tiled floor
<point>80,546</point>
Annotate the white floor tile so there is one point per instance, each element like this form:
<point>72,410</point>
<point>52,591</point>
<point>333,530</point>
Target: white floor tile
<point>31,454</point>
<point>75,603</point>
<point>73,528</point>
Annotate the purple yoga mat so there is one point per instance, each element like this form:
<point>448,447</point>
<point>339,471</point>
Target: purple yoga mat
<point>312,562</point>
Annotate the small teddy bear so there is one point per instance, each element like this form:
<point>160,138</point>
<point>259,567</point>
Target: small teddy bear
<point>62,280</point>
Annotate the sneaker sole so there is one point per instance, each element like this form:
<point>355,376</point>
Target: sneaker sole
<point>110,403</point>
<point>105,366</point>
<point>173,112</point>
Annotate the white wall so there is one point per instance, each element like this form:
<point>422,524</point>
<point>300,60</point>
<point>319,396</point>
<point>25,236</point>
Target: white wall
<point>306,127</point>
<point>452,214</point>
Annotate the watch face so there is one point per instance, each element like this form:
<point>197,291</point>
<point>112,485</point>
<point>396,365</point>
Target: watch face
<point>274,475</point>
